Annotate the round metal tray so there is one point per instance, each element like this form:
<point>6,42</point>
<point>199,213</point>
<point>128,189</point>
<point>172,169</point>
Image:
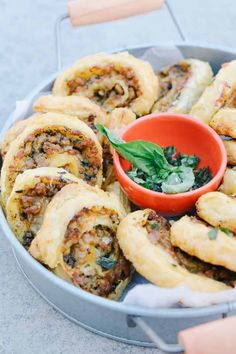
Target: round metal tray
<point>113,319</point>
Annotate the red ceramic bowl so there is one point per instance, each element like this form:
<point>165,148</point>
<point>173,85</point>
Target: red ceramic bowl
<point>190,136</point>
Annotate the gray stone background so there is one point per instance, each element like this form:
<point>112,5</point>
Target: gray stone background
<point>27,56</point>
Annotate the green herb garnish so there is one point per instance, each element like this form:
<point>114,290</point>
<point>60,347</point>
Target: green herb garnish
<point>180,159</point>
<point>202,176</point>
<point>227,231</point>
<point>106,263</point>
<point>212,234</point>
<point>155,226</point>
<point>156,168</point>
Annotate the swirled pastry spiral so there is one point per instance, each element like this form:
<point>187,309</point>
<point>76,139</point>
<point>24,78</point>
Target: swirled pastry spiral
<point>218,209</point>
<point>119,119</point>
<point>230,146</point>
<point>116,189</point>
<point>181,85</point>
<point>77,240</point>
<point>224,122</point>
<point>56,140</point>
<point>76,106</point>
<point>111,81</point>
<point>81,107</point>
<point>144,237</point>
<point>194,237</point>
<point>15,130</point>
<point>220,94</point>
<point>228,185</point>
<point>33,190</point>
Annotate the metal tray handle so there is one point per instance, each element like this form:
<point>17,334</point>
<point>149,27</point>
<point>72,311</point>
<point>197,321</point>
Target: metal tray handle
<point>85,12</point>
<point>215,337</point>
<point>133,321</point>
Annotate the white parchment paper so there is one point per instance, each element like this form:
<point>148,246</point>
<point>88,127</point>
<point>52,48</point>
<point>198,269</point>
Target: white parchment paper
<point>161,56</point>
<point>149,295</point>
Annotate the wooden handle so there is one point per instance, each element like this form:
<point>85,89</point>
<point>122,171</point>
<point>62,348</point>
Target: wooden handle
<point>85,12</point>
<point>216,337</point>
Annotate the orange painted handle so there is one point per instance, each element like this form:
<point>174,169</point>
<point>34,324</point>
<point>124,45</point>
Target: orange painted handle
<point>216,337</point>
<point>85,12</point>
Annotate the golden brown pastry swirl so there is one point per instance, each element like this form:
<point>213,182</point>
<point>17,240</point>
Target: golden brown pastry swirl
<point>78,242</point>
<point>54,140</point>
<point>111,80</point>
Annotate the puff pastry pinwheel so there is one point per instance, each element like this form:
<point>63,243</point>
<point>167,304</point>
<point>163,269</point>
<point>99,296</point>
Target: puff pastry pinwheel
<point>116,189</point>
<point>199,239</point>
<point>33,190</point>
<point>228,185</point>
<point>77,240</point>
<point>230,146</point>
<point>81,107</point>
<point>218,95</point>
<point>218,209</point>
<point>119,119</point>
<point>111,80</point>
<point>224,122</point>
<point>55,140</point>
<point>144,238</point>
<point>181,85</point>
<point>15,130</point>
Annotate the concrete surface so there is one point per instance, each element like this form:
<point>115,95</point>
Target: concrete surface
<point>27,323</point>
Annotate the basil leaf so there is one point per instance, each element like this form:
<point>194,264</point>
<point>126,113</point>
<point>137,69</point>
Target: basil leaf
<point>179,182</point>
<point>106,263</point>
<point>227,231</point>
<point>144,155</point>
<point>113,138</point>
<point>212,234</point>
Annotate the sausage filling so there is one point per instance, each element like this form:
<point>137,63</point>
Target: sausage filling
<point>159,233</point>
<point>39,150</point>
<point>90,121</point>
<point>231,100</point>
<point>172,81</point>
<point>33,202</point>
<point>109,86</point>
<point>93,259</point>
<point>107,159</point>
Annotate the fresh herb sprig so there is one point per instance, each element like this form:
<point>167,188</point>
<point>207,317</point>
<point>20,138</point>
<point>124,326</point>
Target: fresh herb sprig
<point>156,168</point>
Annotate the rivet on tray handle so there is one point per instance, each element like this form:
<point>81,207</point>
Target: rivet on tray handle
<point>85,12</point>
<point>216,337</point>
